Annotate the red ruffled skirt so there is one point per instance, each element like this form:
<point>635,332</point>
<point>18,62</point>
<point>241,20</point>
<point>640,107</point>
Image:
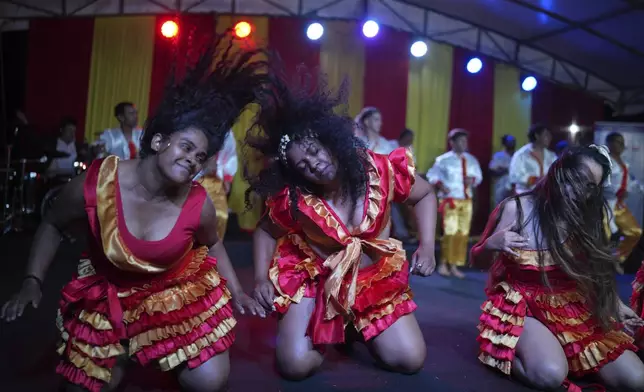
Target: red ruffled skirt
<point>186,319</point>
<point>383,294</point>
<point>560,308</point>
<point>637,300</point>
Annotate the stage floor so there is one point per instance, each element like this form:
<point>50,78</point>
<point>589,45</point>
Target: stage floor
<point>448,311</point>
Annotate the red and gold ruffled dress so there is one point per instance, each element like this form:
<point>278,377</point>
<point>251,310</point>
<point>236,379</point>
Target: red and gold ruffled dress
<point>637,301</point>
<point>371,298</point>
<point>517,291</point>
<point>159,302</point>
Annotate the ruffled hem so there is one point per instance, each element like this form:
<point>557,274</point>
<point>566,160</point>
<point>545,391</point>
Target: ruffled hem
<point>380,321</point>
<point>76,376</point>
<point>565,314</point>
<point>638,287</point>
<point>187,321</point>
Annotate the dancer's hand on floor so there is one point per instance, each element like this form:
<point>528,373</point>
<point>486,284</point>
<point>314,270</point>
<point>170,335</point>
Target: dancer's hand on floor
<point>423,262</point>
<point>506,241</point>
<point>29,294</point>
<point>243,303</point>
<point>264,294</point>
<point>629,318</point>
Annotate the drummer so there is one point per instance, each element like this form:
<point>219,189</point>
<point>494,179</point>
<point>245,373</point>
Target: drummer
<point>63,164</point>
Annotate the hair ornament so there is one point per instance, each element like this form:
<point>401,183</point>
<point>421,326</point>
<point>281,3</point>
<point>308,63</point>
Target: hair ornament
<point>284,142</point>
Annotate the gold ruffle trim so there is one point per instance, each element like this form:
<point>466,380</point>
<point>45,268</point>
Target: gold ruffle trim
<point>175,298</point>
<point>148,338</point>
<point>191,351</point>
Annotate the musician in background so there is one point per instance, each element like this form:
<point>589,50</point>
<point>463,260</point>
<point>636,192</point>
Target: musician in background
<point>217,178</point>
<point>123,141</point>
<point>63,165</point>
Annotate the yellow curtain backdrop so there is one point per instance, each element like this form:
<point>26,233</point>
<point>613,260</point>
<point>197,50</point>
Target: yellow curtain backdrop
<point>429,92</point>
<point>120,70</point>
<point>512,107</point>
<point>342,55</point>
<point>247,219</point>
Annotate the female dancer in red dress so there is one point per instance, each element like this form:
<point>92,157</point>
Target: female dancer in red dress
<point>323,256</point>
<point>552,308</point>
<point>151,288</point>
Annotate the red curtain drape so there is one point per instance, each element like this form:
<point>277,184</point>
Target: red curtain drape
<point>472,108</point>
<point>558,106</point>
<point>194,29</point>
<point>58,66</point>
<point>385,78</point>
<point>287,36</point>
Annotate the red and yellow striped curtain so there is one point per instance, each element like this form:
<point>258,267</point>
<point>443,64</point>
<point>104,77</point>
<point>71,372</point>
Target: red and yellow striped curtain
<point>126,59</point>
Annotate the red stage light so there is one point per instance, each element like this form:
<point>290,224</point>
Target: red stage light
<point>243,29</point>
<point>169,29</point>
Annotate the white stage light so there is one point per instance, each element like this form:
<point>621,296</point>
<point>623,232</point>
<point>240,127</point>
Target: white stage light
<point>315,31</point>
<point>573,129</point>
<point>370,29</point>
<point>418,49</point>
<point>529,83</point>
<point>474,65</point>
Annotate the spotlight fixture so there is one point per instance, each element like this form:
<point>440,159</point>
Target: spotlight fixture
<point>169,29</point>
<point>529,83</point>
<point>315,31</point>
<point>370,29</point>
<point>418,49</point>
<point>474,65</point>
<point>243,29</point>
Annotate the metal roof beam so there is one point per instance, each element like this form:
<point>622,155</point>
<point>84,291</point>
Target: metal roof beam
<point>570,22</point>
<point>583,23</point>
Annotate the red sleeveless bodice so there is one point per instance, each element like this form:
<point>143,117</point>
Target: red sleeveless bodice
<point>168,250</point>
<point>163,254</point>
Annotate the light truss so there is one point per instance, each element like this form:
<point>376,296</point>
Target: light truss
<point>419,21</point>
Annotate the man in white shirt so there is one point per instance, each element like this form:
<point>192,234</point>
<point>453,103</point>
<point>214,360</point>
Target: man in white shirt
<point>455,175</point>
<point>532,161</point>
<point>124,141</point>
<point>368,126</point>
<point>499,167</point>
<point>217,178</point>
<point>622,183</point>
<point>66,144</point>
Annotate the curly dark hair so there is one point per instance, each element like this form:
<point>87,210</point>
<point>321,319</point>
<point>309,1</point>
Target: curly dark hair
<point>298,108</point>
<point>210,95</point>
<point>568,198</point>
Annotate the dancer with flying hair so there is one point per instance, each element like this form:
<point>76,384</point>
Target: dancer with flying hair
<point>553,310</point>
<point>324,259</point>
<point>157,287</point>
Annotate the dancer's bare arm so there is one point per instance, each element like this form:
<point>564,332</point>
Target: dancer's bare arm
<point>69,208</point>
<point>264,242</point>
<point>207,235</point>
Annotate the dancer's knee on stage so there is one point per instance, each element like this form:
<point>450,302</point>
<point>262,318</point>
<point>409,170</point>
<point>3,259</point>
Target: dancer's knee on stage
<point>406,360</point>
<point>626,373</point>
<point>297,363</point>
<point>401,348</point>
<point>548,375</point>
<point>211,376</point>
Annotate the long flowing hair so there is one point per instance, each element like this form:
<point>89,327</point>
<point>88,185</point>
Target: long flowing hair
<point>209,93</point>
<point>569,211</point>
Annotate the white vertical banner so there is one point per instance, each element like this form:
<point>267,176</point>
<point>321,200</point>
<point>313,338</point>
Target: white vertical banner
<point>634,140</point>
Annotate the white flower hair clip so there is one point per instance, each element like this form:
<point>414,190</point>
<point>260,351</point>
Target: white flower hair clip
<point>284,141</point>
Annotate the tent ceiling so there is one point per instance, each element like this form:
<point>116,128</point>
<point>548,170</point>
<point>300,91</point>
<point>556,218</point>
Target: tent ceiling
<point>594,45</point>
